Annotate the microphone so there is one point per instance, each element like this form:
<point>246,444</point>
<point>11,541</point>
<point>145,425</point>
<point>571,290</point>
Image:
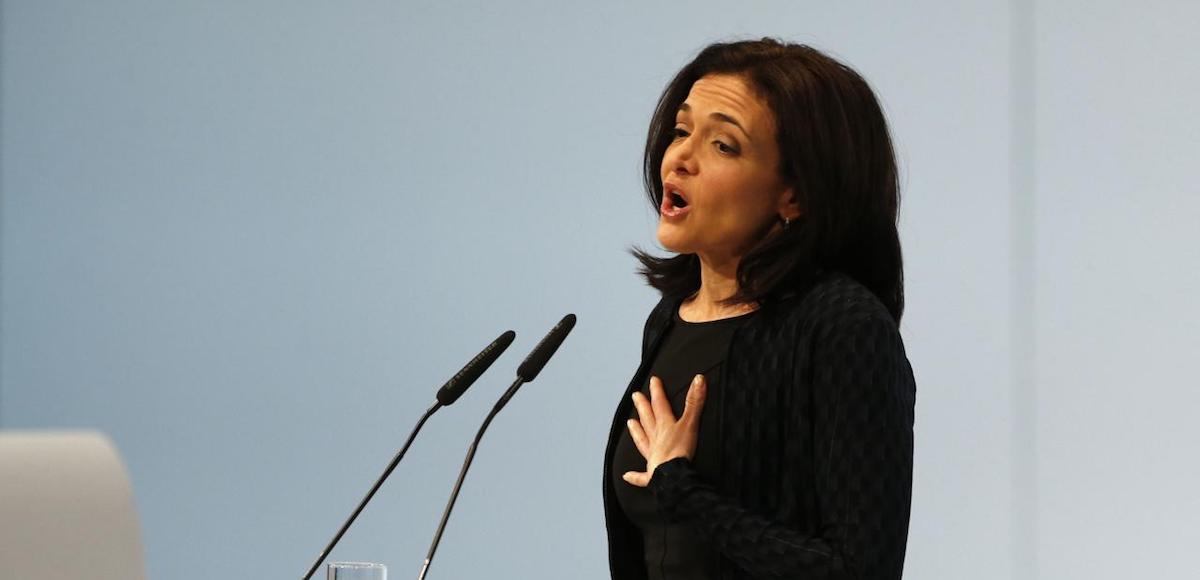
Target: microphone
<point>529,369</point>
<point>532,365</point>
<point>449,393</point>
<point>457,385</point>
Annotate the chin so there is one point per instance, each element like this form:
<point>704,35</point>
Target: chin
<point>670,239</point>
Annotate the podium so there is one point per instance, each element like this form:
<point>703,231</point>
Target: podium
<point>66,508</point>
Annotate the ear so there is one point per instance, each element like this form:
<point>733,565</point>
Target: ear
<point>789,204</point>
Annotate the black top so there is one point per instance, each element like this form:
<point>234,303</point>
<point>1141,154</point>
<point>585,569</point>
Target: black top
<point>816,451</point>
<point>672,551</point>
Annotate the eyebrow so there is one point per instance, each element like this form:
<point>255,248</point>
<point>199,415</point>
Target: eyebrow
<point>686,108</point>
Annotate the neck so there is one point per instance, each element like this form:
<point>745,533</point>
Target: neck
<point>718,281</point>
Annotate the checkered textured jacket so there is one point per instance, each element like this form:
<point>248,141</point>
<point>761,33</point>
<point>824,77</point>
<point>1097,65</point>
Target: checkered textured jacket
<point>818,449</point>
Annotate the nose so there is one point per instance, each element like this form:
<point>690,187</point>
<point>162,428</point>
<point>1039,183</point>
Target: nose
<point>679,157</point>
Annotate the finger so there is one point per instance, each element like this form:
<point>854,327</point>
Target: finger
<point>639,437</point>
<point>694,404</point>
<point>638,478</point>
<point>645,413</point>
<point>659,402</point>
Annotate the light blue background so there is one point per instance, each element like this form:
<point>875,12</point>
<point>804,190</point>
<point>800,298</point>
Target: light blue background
<point>250,239</point>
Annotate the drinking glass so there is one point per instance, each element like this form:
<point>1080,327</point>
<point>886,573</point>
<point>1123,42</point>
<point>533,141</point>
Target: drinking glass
<point>356,571</point>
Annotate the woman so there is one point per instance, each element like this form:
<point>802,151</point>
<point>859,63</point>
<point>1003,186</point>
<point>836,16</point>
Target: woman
<point>767,432</point>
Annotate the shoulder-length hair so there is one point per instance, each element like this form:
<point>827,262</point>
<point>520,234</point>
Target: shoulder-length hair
<point>835,152</point>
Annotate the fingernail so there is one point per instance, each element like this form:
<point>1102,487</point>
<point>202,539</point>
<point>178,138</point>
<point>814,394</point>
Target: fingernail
<point>698,379</point>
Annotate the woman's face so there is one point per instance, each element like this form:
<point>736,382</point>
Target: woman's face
<point>724,164</point>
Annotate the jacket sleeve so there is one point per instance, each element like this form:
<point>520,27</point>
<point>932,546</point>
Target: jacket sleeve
<point>862,413</point>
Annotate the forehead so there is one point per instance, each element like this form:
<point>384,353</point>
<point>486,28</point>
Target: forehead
<point>729,94</point>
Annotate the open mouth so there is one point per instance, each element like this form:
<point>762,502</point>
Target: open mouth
<point>674,201</point>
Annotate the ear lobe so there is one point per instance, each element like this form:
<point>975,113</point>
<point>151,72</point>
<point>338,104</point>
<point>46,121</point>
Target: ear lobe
<point>789,206</point>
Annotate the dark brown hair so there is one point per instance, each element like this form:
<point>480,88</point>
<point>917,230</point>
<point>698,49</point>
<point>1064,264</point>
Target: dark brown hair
<point>835,152</point>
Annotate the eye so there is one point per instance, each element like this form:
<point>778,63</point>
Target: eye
<point>727,149</point>
<point>679,133</point>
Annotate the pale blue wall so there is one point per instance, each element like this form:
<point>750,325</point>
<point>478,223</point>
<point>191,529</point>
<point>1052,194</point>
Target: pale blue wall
<point>1118,278</point>
<point>249,240</point>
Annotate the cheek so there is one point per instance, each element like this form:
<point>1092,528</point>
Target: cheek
<point>742,198</point>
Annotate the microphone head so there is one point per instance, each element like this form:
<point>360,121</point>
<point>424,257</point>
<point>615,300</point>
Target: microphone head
<point>537,359</point>
<point>458,384</point>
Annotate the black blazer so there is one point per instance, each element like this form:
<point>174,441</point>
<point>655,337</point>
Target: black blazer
<point>818,415</point>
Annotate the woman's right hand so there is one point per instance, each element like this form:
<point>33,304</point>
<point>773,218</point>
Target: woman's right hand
<point>659,437</point>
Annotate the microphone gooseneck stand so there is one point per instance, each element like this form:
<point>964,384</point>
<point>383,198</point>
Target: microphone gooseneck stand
<point>528,371</point>
<point>378,482</point>
<point>462,474</point>
<point>449,393</point>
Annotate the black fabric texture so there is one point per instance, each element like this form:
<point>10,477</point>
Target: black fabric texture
<point>674,551</point>
<point>817,452</point>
